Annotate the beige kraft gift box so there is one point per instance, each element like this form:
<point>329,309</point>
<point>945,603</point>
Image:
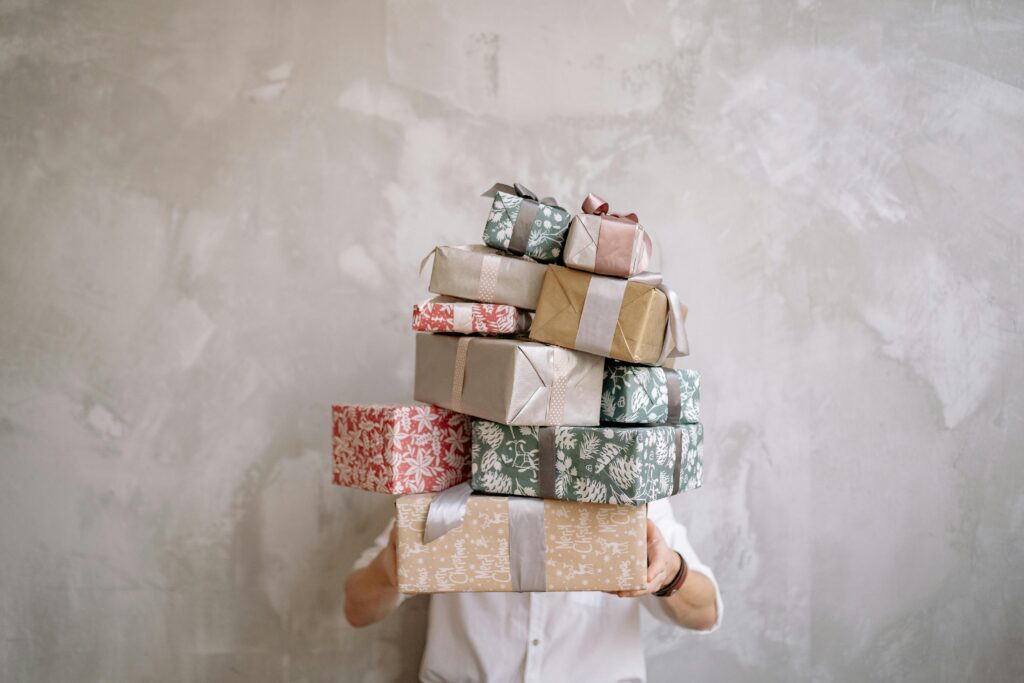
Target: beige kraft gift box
<point>483,274</point>
<point>586,547</point>
<point>512,381</point>
<point>634,314</point>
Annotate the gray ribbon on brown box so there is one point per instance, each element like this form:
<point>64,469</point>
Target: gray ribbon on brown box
<point>527,213</point>
<point>526,543</point>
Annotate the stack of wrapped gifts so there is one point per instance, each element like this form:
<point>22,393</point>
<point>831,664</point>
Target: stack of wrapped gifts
<point>549,416</point>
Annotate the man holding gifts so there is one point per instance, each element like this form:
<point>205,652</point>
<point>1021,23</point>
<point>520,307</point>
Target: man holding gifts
<point>546,636</point>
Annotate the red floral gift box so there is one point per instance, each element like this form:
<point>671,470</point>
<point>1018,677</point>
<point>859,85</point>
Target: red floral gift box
<point>400,448</point>
<point>448,314</point>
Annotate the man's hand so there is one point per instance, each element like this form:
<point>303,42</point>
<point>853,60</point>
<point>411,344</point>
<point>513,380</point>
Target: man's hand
<point>693,606</point>
<point>663,563</point>
<point>372,592</point>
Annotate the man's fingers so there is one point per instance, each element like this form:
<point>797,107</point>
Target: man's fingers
<point>657,581</point>
<point>659,561</point>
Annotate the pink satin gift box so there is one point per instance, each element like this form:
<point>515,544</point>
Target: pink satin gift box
<point>606,243</point>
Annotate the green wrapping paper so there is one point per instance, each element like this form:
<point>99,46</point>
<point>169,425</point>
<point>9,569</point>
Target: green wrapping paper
<point>619,465</point>
<point>639,394</point>
<point>522,224</point>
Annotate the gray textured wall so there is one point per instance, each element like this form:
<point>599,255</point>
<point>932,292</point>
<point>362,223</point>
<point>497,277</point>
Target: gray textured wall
<point>211,215</point>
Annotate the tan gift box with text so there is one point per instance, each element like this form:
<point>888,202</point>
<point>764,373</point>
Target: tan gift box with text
<point>570,547</point>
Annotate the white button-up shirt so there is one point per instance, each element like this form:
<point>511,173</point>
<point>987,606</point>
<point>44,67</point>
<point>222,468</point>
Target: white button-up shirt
<point>593,637</point>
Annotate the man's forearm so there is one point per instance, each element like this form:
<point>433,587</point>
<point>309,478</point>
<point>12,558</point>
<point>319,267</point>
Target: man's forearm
<point>370,595</point>
<point>693,606</point>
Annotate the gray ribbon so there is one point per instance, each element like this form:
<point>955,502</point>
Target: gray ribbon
<point>526,544</point>
<point>600,315</point>
<point>675,404</point>
<point>524,224</point>
<point>527,549</point>
<point>546,461</point>
<point>677,470</point>
<point>520,190</point>
<point>676,343</point>
<point>446,512</point>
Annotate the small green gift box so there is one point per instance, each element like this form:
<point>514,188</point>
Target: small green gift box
<point>522,224</point>
<point>619,465</point>
<point>640,394</point>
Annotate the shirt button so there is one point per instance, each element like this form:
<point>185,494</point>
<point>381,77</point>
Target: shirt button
<point>536,642</point>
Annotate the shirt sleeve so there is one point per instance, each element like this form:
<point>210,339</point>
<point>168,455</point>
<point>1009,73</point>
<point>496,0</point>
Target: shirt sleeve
<point>660,512</point>
<point>373,550</point>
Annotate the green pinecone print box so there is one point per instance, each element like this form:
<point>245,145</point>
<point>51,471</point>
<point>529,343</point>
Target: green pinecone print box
<point>618,465</point>
<point>639,394</point>
<point>522,225</point>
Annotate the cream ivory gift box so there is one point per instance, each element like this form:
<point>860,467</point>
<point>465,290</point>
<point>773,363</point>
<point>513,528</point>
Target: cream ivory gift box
<point>479,273</point>
<point>505,544</point>
<point>511,381</point>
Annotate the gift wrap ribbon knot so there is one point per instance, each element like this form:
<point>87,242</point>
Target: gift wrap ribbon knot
<point>527,545</point>
<point>526,216</point>
<point>599,207</point>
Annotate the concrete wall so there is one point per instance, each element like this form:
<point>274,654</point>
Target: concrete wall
<point>211,217</point>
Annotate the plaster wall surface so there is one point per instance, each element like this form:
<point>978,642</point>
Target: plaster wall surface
<point>211,219</point>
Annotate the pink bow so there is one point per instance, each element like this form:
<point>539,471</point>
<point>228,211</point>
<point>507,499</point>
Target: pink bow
<point>599,207</point>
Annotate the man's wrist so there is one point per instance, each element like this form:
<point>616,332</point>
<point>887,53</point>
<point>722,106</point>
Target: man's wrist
<point>676,582</point>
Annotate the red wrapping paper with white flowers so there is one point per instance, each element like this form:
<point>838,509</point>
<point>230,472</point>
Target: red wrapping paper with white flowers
<point>448,314</point>
<point>400,448</point>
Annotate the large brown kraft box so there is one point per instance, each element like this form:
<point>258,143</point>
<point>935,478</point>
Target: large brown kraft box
<point>512,381</point>
<point>548,546</point>
<point>479,273</point>
<point>611,317</point>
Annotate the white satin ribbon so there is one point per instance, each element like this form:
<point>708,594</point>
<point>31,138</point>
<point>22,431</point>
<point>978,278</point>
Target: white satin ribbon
<point>446,511</point>
<point>676,343</point>
<point>600,315</point>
